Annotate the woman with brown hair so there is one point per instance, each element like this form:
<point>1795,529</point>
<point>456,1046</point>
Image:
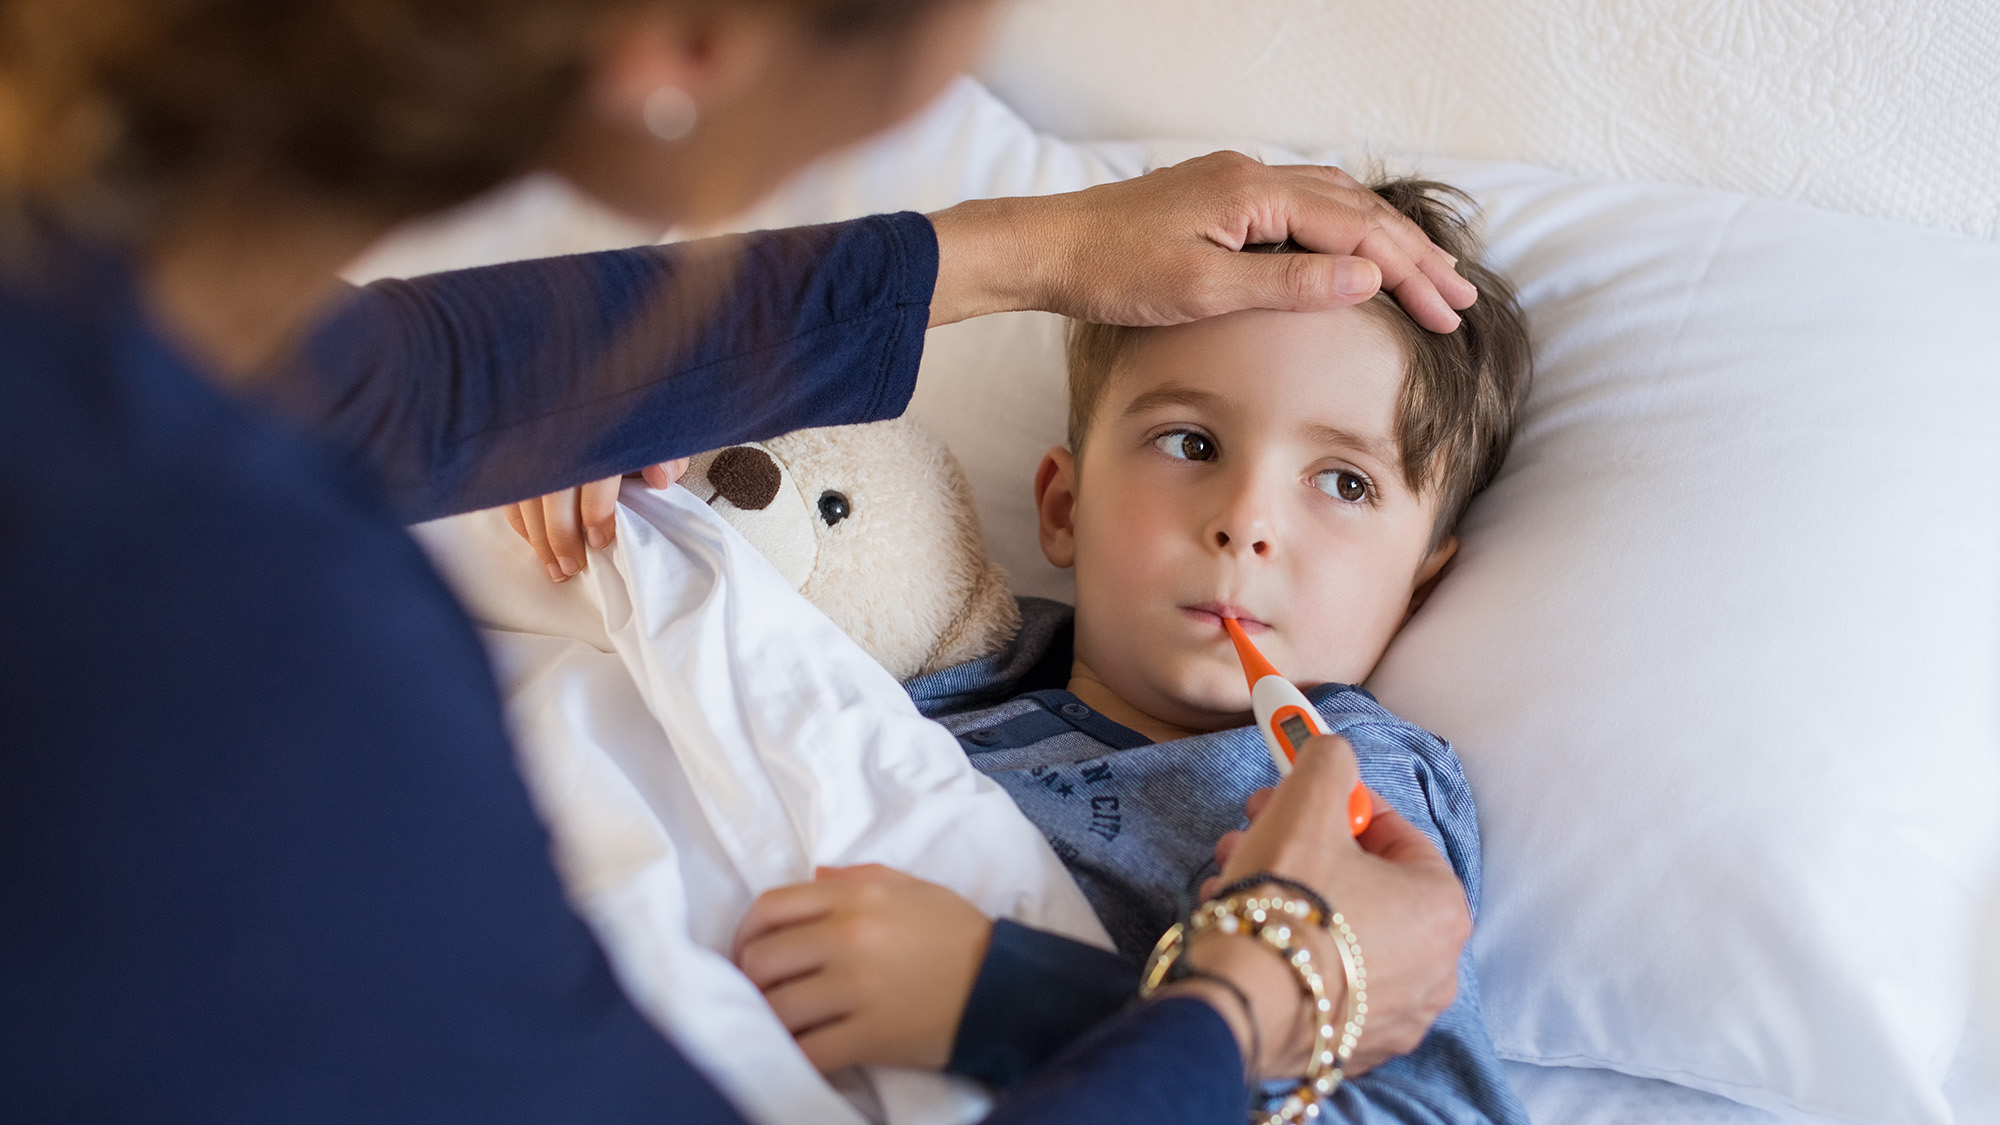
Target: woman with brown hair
<point>264,851</point>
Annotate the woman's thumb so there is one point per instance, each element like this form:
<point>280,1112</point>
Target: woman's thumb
<point>1323,775</point>
<point>1306,282</point>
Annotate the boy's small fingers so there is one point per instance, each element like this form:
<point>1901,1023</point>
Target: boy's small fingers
<point>782,907</point>
<point>861,873</point>
<point>781,956</point>
<point>831,1046</point>
<point>515,521</point>
<point>598,506</point>
<point>808,1002</point>
<point>1255,804</point>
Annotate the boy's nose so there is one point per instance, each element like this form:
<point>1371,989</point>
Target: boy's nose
<point>1256,546</point>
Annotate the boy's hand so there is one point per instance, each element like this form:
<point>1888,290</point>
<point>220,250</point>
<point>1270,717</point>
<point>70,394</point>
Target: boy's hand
<point>559,525</point>
<point>865,965</point>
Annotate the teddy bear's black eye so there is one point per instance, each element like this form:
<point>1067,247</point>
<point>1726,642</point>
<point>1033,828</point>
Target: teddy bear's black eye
<point>832,507</point>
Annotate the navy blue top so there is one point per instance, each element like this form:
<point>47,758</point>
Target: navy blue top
<point>263,852</point>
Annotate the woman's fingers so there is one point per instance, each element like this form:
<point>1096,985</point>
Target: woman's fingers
<point>565,530</point>
<point>1397,840</point>
<point>1392,885</point>
<point>1436,266</point>
<point>1162,249</point>
<point>1329,225</point>
<point>597,511</point>
<point>535,531</point>
<point>1301,831</point>
<point>664,474</point>
<point>1301,282</point>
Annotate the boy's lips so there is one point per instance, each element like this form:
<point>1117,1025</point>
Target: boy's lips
<point>1212,613</point>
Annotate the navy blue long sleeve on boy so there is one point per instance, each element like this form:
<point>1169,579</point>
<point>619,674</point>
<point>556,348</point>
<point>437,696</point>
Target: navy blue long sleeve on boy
<point>264,855</point>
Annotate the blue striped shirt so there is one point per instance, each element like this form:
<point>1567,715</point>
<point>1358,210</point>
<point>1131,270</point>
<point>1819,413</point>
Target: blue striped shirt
<point>1136,823</point>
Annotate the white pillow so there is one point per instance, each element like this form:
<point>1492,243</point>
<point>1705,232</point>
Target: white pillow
<point>1718,651</point>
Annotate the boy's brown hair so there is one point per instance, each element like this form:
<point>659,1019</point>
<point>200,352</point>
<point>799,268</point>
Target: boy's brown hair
<point>1461,391</point>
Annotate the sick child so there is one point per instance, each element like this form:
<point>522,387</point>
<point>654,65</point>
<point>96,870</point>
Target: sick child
<point>1302,473</point>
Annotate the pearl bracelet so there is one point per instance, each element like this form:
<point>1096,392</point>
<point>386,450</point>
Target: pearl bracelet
<point>1271,919</point>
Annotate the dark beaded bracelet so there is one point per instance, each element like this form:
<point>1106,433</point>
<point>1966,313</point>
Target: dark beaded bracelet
<point>1252,882</point>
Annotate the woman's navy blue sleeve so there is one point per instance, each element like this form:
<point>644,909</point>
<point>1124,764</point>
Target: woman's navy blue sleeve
<point>477,387</point>
<point>1169,1062</point>
<point>1036,993</point>
<point>1051,1020</point>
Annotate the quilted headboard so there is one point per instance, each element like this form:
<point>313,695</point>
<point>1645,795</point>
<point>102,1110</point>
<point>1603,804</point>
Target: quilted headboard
<point>1879,107</point>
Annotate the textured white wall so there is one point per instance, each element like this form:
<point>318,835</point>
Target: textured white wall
<point>1881,107</point>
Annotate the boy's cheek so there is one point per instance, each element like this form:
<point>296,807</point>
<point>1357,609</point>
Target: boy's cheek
<point>1346,644</point>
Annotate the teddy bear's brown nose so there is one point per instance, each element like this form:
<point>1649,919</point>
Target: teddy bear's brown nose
<point>745,477</point>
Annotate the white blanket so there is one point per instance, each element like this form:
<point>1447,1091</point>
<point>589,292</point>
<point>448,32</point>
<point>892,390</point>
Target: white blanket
<point>696,733</point>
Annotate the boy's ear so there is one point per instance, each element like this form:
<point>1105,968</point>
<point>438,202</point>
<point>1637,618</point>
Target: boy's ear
<point>1055,506</point>
<point>1429,574</point>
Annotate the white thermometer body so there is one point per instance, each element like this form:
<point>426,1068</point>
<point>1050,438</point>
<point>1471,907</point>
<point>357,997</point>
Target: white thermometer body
<point>1285,718</point>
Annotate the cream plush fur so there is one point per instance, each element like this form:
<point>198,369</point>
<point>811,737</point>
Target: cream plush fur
<point>874,525</point>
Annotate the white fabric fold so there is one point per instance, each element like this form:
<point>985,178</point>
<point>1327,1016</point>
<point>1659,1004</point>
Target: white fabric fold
<point>696,733</point>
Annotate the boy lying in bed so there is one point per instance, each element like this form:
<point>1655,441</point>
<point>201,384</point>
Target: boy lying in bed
<point>1301,472</point>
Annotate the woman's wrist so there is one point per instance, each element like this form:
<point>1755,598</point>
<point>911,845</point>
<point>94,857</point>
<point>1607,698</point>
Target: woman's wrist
<point>994,255</point>
<point>1275,1031</point>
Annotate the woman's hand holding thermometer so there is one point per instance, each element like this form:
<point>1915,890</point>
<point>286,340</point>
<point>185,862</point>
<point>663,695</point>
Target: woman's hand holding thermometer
<point>1286,719</point>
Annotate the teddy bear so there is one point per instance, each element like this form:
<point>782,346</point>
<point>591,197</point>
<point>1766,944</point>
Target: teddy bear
<point>874,524</point>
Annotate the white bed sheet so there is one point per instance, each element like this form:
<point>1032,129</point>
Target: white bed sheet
<point>1567,1095</point>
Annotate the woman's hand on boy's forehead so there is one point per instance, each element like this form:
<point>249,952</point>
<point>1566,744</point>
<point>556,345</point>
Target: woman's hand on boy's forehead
<point>1163,249</point>
<point>1423,278</point>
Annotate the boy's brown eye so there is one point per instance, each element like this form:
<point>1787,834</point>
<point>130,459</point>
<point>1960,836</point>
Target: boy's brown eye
<point>1185,445</point>
<point>1343,483</point>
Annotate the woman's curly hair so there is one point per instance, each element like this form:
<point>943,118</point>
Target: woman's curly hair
<point>398,106</point>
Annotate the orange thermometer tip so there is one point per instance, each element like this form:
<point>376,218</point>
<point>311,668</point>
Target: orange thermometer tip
<point>1255,667</point>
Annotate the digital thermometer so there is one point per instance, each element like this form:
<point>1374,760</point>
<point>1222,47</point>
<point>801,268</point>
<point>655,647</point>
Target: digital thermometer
<point>1286,719</point>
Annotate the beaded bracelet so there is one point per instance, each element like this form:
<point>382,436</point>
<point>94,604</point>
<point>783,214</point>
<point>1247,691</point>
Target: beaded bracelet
<point>1270,920</point>
<point>1263,878</point>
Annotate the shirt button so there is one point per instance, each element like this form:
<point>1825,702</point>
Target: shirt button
<point>983,737</point>
<point>1075,710</point>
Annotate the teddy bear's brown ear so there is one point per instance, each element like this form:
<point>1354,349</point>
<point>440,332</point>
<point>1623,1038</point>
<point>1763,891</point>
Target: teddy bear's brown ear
<point>985,623</point>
